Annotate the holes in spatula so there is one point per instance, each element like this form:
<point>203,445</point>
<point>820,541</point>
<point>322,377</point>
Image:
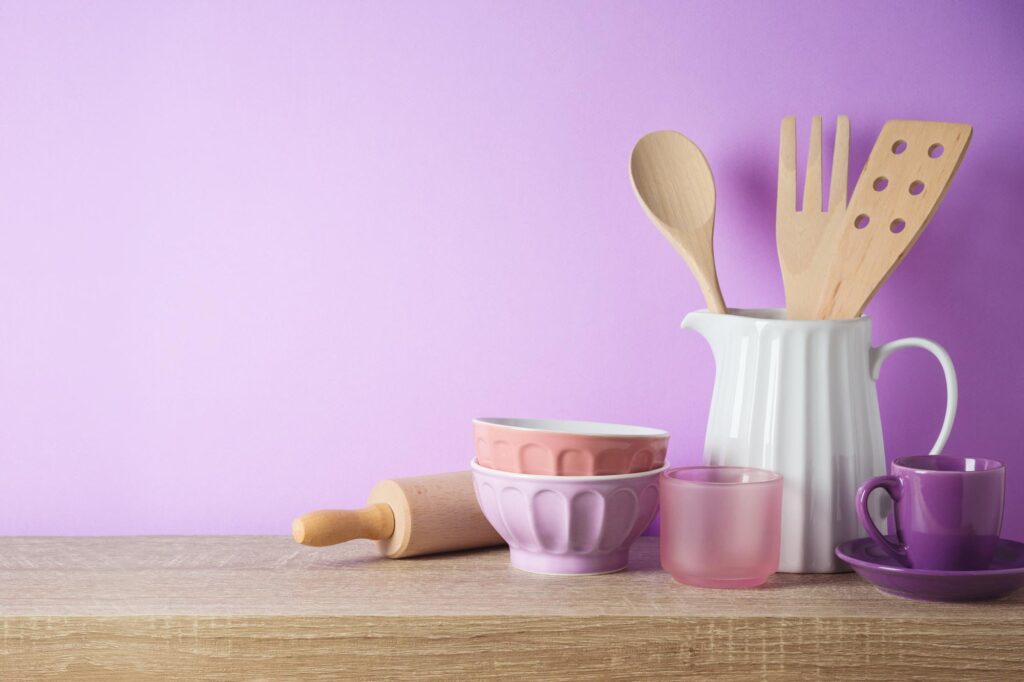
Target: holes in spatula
<point>897,225</point>
<point>899,146</point>
<point>880,183</point>
<point>861,221</point>
<point>916,187</point>
<point>935,151</point>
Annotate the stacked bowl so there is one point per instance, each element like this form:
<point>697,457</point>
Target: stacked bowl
<point>569,497</point>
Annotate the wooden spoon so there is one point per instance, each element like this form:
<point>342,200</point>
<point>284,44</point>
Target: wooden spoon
<point>673,182</point>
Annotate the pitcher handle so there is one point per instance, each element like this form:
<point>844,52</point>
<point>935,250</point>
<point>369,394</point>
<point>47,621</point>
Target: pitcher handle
<point>878,356</point>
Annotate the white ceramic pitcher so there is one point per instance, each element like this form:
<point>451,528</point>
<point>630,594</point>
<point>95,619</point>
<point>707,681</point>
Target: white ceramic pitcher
<point>798,397</point>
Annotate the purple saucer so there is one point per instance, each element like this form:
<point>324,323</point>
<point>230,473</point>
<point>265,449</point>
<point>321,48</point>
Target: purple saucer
<point>1004,576</point>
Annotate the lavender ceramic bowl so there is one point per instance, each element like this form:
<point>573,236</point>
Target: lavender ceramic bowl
<point>567,525</point>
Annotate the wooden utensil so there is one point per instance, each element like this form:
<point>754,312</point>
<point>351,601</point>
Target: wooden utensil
<point>672,179</point>
<point>806,239</point>
<point>408,517</point>
<point>903,182</point>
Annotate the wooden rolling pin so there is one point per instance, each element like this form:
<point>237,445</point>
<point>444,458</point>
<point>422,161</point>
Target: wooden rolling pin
<point>408,517</point>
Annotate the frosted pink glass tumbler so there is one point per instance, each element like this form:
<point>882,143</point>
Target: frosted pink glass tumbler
<point>720,526</point>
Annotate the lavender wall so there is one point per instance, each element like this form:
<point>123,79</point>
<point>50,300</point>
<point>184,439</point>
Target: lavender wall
<point>256,256</point>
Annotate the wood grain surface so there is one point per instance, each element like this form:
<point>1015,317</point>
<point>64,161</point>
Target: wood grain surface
<point>266,608</point>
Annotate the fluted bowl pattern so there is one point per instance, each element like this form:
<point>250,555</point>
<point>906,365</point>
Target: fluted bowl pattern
<point>567,448</point>
<point>567,524</point>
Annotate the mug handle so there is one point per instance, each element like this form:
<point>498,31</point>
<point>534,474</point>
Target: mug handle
<point>878,356</point>
<point>893,486</point>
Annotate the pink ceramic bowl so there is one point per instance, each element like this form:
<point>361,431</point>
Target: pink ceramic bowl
<point>567,448</point>
<point>576,525</point>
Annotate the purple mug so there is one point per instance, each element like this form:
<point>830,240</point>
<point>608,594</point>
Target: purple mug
<point>948,511</point>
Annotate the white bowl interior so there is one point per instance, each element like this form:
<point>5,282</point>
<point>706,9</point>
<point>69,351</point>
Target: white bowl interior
<point>577,428</point>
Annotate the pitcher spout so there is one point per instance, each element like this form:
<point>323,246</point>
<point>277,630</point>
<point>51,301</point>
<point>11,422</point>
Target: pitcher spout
<point>702,322</point>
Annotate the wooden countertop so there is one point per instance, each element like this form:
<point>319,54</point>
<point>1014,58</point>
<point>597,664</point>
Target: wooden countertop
<point>264,607</point>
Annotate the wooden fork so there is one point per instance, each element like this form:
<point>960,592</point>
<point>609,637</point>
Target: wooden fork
<point>807,239</point>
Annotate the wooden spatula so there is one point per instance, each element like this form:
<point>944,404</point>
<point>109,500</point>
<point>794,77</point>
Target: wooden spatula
<point>903,182</point>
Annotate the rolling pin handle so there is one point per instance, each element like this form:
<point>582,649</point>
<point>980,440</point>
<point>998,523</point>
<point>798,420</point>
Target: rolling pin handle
<point>334,526</point>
